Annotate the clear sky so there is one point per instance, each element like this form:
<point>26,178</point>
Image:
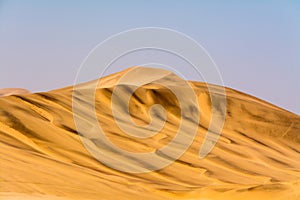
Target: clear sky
<point>256,44</point>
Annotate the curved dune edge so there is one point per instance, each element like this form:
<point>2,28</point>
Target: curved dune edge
<point>42,156</point>
<point>13,91</point>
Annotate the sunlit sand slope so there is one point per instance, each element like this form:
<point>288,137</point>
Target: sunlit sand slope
<point>12,91</point>
<point>42,155</point>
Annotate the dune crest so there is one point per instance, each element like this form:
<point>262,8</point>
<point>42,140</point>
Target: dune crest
<point>256,157</point>
<point>12,91</point>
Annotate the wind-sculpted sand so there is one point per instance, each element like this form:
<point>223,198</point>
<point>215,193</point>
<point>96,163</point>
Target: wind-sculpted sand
<point>42,155</point>
<point>12,91</point>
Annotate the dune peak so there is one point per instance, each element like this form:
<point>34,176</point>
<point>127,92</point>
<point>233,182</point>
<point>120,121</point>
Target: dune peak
<point>12,91</point>
<point>42,153</point>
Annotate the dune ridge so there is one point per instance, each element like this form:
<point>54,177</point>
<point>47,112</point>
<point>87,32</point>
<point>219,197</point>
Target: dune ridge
<point>257,155</point>
<point>12,91</point>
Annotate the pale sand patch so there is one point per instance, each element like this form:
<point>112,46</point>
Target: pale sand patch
<point>12,91</point>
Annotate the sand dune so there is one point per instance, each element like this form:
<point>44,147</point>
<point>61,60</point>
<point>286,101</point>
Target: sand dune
<point>12,91</point>
<point>43,157</point>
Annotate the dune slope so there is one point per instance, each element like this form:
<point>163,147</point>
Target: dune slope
<point>12,91</point>
<point>43,157</point>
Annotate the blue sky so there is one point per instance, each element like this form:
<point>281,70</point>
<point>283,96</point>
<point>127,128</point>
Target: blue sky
<point>256,44</point>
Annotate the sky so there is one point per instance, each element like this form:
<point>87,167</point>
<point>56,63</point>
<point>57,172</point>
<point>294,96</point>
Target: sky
<point>255,44</point>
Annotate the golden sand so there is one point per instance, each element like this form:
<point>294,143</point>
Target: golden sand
<point>42,155</point>
<point>12,91</point>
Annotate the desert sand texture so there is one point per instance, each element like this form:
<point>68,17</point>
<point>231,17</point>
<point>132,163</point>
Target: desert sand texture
<point>43,157</point>
<point>12,91</point>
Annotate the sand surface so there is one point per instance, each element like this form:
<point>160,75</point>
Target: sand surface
<point>12,91</point>
<point>43,157</point>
